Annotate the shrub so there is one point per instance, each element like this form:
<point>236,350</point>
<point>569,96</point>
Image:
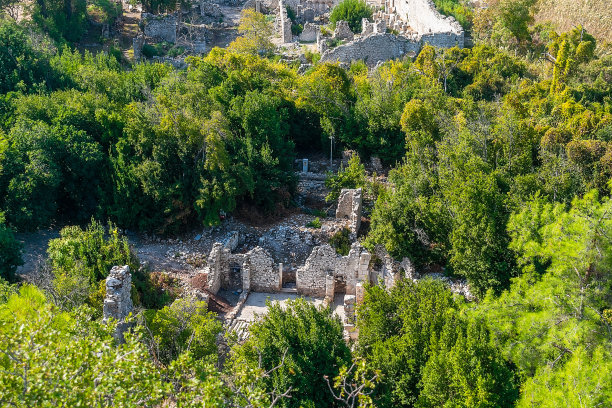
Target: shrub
<point>10,252</point>
<point>352,176</point>
<point>184,326</point>
<point>351,11</point>
<point>305,343</point>
<point>80,259</point>
<point>341,241</point>
<point>316,223</point>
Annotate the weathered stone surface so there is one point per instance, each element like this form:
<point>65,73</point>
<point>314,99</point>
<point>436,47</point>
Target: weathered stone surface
<point>373,49</point>
<point>210,9</point>
<point>343,31</point>
<point>217,267</point>
<point>283,23</point>
<point>162,27</point>
<point>137,43</point>
<point>264,274</point>
<point>349,207</point>
<point>324,266</point>
<point>118,300</point>
<point>310,32</point>
<point>311,278</point>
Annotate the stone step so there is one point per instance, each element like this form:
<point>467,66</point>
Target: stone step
<point>289,290</point>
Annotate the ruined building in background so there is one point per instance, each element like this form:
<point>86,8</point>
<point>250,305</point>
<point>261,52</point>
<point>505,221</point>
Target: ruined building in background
<point>399,28</point>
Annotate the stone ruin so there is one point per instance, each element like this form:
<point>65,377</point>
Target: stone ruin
<point>310,33</point>
<point>411,24</point>
<point>343,31</point>
<point>283,23</point>
<point>118,301</point>
<point>161,27</point>
<point>349,207</point>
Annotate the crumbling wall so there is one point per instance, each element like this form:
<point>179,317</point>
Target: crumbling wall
<point>373,49</point>
<point>309,34</point>
<point>161,27</point>
<point>343,31</point>
<point>210,9</point>
<point>217,267</point>
<point>349,207</point>
<point>264,274</point>
<point>284,23</point>
<point>311,278</point>
<point>118,300</point>
<point>323,266</point>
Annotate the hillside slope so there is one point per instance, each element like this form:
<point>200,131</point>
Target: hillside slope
<point>594,15</point>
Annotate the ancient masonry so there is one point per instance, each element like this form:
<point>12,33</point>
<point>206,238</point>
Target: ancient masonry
<point>283,23</point>
<point>118,301</point>
<point>412,24</point>
<point>399,28</point>
<point>349,207</point>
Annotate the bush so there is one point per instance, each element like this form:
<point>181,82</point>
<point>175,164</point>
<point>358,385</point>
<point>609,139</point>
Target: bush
<point>351,11</point>
<point>10,252</point>
<point>184,326</point>
<point>352,176</point>
<point>80,259</point>
<point>341,241</point>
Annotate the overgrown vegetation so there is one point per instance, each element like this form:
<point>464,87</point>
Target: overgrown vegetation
<point>351,11</point>
<point>501,166</point>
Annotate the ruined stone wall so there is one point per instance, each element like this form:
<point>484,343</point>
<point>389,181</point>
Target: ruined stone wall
<point>425,19</point>
<point>283,23</point>
<point>372,49</point>
<point>311,278</point>
<point>118,300</point>
<point>217,267</point>
<point>309,34</point>
<point>349,207</point>
<point>264,274</point>
<point>318,275</point>
<point>160,27</point>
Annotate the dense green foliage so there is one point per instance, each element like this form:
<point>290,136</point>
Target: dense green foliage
<point>49,358</point>
<point>429,354</point>
<point>306,342</point>
<point>184,326</point>
<point>10,252</point>
<point>458,9</point>
<point>351,11</point>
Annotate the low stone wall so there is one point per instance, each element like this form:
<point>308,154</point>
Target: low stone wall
<point>324,266</point>
<point>311,278</point>
<point>372,49</point>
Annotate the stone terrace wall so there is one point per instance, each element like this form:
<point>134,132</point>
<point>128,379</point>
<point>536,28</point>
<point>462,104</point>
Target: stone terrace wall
<point>372,49</point>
